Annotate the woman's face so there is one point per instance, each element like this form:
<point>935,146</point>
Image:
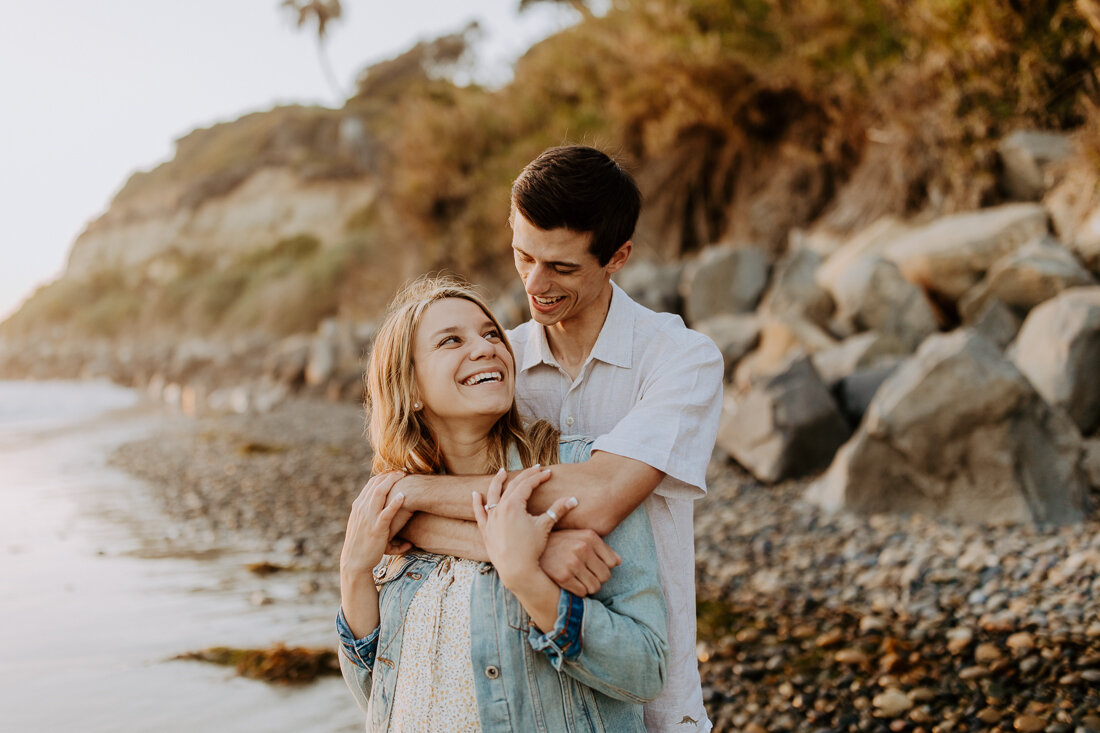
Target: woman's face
<point>462,368</point>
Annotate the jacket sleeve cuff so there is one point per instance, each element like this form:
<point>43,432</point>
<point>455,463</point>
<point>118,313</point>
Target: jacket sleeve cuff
<point>360,651</point>
<point>563,642</point>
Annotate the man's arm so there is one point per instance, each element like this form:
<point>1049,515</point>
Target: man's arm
<point>608,487</point>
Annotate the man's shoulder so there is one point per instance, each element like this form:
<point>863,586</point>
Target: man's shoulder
<point>667,331</point>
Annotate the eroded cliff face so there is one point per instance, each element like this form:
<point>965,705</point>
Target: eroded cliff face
<point>271,204</point>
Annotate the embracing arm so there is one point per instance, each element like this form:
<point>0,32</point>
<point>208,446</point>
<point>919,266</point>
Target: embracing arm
<point>608,487</point>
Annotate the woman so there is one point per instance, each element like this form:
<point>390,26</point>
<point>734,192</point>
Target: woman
<point>433,642</point>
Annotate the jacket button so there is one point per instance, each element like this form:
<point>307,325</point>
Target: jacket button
<point>492,672</point>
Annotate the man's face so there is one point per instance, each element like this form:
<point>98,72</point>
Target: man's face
<point>562,278</point>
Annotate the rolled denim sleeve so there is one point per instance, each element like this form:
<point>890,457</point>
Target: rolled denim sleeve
<point>563,642</point>
<point>360,651</point>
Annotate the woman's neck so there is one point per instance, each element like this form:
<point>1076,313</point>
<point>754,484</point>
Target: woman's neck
<point>466,451</point>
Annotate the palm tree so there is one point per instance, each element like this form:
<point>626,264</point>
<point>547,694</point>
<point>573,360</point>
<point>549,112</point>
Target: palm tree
<point>322,12</point>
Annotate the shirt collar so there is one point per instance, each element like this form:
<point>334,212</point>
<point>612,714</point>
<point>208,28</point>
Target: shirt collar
<point>614,345</point>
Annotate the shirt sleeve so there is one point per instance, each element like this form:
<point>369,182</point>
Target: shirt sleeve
<point>673,425</point>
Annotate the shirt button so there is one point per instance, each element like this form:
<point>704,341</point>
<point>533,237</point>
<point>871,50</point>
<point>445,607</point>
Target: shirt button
<point>492,672</point>
<point>569,421</point>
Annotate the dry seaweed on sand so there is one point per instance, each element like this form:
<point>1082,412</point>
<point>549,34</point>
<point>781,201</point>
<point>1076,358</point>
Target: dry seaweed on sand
<point>279,664</point>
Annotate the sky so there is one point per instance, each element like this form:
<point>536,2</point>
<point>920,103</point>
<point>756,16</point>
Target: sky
<point>92,92</point>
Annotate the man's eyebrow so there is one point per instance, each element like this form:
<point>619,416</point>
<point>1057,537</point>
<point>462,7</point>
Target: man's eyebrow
<point>555,263</point>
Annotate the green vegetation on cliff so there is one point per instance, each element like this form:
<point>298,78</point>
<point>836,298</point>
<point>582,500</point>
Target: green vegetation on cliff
<point>741,119</point>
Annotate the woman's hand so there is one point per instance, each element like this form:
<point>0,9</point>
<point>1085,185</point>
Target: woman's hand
<point>514,538</point>
<point>372,524</point>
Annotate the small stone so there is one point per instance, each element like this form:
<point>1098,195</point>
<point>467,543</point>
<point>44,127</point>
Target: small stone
<point>1021,642</point>
<point>989,716</point>
<point>1091,721</point>
<point>891,703</point>
<point>1028,664</point>
<point>976,672</point>
<point>871,624</point>
<point>920,716</point>
<point>830,638</point>
<point>986,653</point>
<point>959,639</point>
<point>747,636</point>
<point>755,728</point>
<point>1093,631</point>
<point>851,656</point>
<point>922,694</point>
<point>1091,675</point>
<point>1070,679</point>
<point>1029,723</point>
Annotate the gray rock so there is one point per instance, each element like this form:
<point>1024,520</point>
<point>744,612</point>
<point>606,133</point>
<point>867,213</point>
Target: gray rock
<point>1058,349</point>
<point>781,341</point>
<point>1036,272</point>
<point>997,322</point>
<point>854,354</point>
<point>654,285</point>
<point>1027,157</point>
<point>322,356</point>
<point>1074,206</point>
<point>872,295</point>
<point>958,433</point>
<point>723,279</point>
<point>949,255</point>
<point>871,241</point>
<point>794,288</point>
<point>734,334</point>
<point>855,391</point>
<point>785,425</point>
<point>1091,462</point>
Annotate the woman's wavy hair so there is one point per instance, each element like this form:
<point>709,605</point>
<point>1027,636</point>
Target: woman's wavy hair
<point>399,434</point>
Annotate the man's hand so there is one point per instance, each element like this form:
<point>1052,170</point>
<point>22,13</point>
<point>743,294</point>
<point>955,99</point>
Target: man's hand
<point>578,560</point>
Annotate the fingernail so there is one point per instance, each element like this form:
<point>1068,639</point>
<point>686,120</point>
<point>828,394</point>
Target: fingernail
<point>537,465</point>
<point>502,470</point>
<point>399,495</point>
<point>571,502</point>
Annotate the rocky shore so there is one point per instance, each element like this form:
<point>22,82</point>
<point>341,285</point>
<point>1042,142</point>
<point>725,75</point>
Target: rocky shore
<point>809,621</point>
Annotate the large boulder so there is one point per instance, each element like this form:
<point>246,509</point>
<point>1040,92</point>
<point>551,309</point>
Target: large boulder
<point>781,341</point>
<point>872,295</point>
<point>784,425</point>
<point>1027,160</point>
<point>855,353</point>
<point>1058,348</point>
<point>723,280</point>
<point>654,285</point>
<point>958,433</point>
<point>871,241</point>
<point>1022,280</point>
<point>1074,205</point>
<point>949,255</point>
<point>735,335</point>
<point>795,290</point>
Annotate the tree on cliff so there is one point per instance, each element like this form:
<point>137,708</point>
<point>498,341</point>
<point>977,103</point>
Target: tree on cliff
<point>321,12</point>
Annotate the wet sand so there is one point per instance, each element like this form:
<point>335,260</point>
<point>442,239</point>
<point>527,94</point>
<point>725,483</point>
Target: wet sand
<point>100,591</point>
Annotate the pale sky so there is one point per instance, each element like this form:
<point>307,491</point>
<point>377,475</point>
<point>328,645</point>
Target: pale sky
<point>91,92</point>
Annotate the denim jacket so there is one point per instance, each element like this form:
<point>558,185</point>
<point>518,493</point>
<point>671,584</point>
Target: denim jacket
<point>606,655</point>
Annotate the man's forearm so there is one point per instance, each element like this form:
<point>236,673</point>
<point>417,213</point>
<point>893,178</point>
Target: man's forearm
<point>445,536</point>
<point>608,488</point>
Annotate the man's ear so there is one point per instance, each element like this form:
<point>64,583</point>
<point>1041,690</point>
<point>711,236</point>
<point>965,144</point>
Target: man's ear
<point>620,257</point>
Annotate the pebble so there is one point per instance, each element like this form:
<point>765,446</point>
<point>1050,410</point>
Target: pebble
<point>985,653</point>
<point>1029,723</point>
<point>891,703</point>
<point>1021,642</point>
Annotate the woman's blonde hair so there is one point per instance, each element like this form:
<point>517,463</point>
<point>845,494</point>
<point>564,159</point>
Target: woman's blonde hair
<point>401,438</point>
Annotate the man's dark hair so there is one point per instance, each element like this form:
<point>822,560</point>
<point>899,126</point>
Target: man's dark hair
<point>583,190</point>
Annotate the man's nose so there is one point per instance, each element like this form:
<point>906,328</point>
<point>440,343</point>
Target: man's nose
<point>537,280</point>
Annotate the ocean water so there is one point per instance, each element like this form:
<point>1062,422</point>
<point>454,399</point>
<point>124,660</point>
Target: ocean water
<point>90,618</point>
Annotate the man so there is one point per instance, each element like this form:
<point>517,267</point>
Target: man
<point>593,362</point>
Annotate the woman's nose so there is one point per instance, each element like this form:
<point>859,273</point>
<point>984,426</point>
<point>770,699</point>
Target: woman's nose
<point>481,347</point>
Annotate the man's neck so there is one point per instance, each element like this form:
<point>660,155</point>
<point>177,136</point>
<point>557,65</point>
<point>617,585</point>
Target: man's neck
<point>572,341</point>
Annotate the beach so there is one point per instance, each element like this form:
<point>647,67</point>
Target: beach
<point>808,621</point>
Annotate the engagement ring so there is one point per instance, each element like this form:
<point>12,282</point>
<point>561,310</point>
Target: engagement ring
<point>550,513</point>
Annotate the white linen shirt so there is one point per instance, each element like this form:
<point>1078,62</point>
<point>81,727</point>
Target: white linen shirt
<point>650,390</point>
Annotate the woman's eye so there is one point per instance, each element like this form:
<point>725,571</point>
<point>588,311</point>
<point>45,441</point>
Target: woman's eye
<point>449,340</point>
<point>493,334</point>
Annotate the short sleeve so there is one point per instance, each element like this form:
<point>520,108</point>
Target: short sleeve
<point>673,425</point>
